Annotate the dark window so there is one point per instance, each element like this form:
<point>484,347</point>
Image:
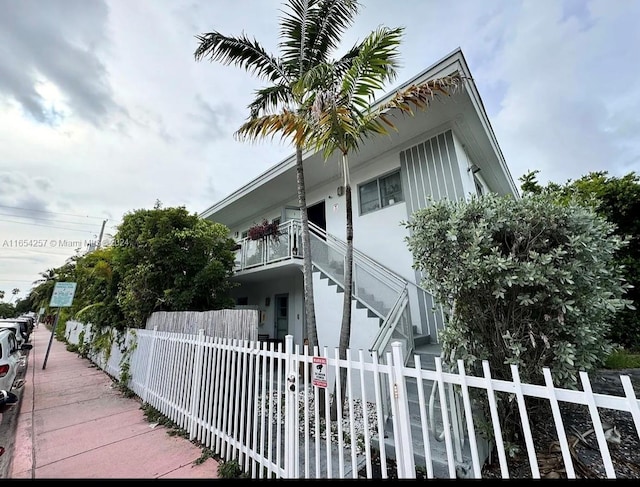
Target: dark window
<point>244,301</point>
<point>381,192</point>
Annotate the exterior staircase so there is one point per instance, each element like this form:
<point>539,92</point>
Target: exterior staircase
<point>392,311</point>
<point>461,454</point>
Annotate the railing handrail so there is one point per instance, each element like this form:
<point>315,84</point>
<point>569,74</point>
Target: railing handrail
<point>389,324</point>
<point>398,281</point>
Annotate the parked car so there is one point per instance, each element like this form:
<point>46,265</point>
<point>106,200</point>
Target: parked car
<point>24,327</point>
<point>10,358</point>
<point>16,328</point>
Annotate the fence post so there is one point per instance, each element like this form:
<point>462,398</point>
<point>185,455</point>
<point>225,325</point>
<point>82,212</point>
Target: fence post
<point>149,363</point>
<point>402,431</point>
<point>290,411</point>
<point>195,383</point>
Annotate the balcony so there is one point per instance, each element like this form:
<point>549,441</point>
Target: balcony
<point>286,245</point>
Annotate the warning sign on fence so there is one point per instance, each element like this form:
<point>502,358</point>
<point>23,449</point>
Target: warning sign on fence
<point>320,372</point>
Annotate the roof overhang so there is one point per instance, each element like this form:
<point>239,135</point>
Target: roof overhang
<point>464,113</point>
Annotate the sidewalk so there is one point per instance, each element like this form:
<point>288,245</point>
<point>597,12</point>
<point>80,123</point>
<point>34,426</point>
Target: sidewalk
<point>73,423</point>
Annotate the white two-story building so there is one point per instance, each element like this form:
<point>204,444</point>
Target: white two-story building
<point>447,151</point>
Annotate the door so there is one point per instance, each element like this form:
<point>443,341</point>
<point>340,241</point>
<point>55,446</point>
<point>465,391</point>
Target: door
<point>317,214</point>
<point>282,315</point>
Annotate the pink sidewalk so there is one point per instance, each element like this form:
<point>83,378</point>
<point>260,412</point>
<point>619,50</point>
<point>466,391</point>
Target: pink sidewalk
<point>74,424</point>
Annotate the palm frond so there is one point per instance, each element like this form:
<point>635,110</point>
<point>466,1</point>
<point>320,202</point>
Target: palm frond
<point>240,51</point>
<point>318,78</point>
<point>343,126</point>
<point>344,63</point>
<point>311,30</point>
<point>285,124</point>
<point>421,95</point>
<point>332,19</point>
<point>295,21</point>
<point>268,99</point>
<point>375,65</point>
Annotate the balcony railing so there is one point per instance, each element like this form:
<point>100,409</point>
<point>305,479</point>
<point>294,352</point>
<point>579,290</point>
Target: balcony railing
<point>287,244</point>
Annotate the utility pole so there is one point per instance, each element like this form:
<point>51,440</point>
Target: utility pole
<point>104,222</point>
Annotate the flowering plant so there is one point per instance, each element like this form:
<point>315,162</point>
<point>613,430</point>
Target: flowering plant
<point>263,230</point>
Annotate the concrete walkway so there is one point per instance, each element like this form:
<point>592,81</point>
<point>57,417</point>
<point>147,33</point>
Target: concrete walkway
<point>74,423</point>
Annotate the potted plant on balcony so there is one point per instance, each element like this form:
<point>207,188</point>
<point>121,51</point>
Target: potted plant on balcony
<point>264,230</point>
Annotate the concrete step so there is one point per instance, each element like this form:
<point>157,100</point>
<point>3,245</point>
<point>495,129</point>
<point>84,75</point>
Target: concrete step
<point>427,354</point>
<point>420,340</point>
<point>437,449</point>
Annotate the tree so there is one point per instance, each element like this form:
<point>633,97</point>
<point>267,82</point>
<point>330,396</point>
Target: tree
<point>97,290</point>
<point>48,275</point>
<point>170,260</point>
<point>618,200</point>
<point>310,30</point>
<point>22,306</point>
<point>344,118</point>
<point>14,292</point>
<point>1,295</point>
<point>7,310</point>
<point>528,282</point>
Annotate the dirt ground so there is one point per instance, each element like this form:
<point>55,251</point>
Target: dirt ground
<point>586,454</point>
<point>587,459</point>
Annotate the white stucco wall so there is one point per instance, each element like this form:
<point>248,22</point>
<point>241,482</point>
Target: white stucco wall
<point>377,234</point>
<point>329,318</point>
<point>329,321</point>
<point>257,293</point>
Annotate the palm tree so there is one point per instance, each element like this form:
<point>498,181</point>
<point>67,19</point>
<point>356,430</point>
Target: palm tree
<point>14,293</point>
<point>48,275</point>
<point>310,30</point>
<point>344,117</point>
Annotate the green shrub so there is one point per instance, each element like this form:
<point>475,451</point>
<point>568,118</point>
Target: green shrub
<point>525,281</point>
<point>230,470</point>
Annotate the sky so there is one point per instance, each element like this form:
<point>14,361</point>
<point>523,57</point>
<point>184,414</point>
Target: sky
<point>104,110</point>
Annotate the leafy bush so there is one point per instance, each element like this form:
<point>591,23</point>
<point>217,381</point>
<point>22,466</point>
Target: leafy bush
<point>618,200</point>
<point>527,282</point>
<point>230,470</point>
<point>171,260</point>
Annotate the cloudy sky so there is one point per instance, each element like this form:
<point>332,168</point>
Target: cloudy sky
<point>103,109</point>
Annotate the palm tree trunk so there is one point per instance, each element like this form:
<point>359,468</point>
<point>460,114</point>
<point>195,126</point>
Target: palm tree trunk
<point>345,330</point>
<point>309,305</point>
<point>307,270</point>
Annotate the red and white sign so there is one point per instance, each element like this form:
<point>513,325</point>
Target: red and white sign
<point>320,372</point>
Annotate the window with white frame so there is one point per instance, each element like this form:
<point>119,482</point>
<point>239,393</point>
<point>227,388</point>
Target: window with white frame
<point>383,191</point>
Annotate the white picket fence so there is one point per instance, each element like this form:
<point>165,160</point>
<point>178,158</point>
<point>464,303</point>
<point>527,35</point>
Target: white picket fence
<point>260,406</point>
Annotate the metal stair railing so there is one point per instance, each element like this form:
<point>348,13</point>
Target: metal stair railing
<point>374,285</point>
<point>377,287</point>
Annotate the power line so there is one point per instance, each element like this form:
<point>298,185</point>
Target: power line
<point>45,219</point>
<point>42,250</point>
<point>48,226</point>
<point>51,212</point>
